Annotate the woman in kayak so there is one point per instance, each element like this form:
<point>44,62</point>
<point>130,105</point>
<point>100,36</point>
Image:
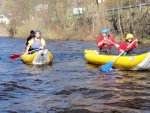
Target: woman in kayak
<point>105,42</point>
<point>32,35</point>
<point>36,43</point>
<point>128,45</point>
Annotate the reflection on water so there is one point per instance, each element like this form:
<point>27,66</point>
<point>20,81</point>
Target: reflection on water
<point>91,66</point>
<point>69,84</point>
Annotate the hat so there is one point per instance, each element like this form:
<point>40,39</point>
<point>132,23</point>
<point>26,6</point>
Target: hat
<point>129,36</point>
<point>105,30</point>
<point>37,32</point>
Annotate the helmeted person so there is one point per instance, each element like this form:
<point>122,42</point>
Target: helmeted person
<point>105,42</point>
<point>32,35</point>
<point>128,42</point>
<point>36,43</point>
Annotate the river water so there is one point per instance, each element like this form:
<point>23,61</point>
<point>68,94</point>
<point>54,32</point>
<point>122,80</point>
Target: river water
<point>69,84</point>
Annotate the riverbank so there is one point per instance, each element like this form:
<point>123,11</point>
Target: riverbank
<point>90,37</point>
<point>4,31</point>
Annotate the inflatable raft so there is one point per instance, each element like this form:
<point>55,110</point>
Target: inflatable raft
<point>137,62</point>
<point>38,57</point>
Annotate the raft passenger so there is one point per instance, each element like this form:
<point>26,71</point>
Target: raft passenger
<point>36,43</point>
<point>32,35</point>
<point>128,42</point>
<point>105,42</point>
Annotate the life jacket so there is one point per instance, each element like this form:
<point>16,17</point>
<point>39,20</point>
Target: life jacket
<point>130,49</point>
<point>107,44</point>
<point>106,47</point>
<point>36,44</point>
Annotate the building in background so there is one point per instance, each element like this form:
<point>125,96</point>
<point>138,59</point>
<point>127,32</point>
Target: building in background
<point>4,19</point>
<point>78,11</point>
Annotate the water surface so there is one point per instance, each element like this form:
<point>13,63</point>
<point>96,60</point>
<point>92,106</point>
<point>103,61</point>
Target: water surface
<point>69,84</point>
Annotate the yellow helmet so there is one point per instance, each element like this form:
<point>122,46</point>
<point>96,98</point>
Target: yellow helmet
<point>129,36</point>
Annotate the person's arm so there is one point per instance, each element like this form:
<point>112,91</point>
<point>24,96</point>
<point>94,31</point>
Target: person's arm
<point>101,41</point>
<point>27,49</point>
<point>116,45</point>
<point>43,44</point>
<point>30,42</point>
<point>136,43</point>
<point>122,51</point>
<point>27,41</point>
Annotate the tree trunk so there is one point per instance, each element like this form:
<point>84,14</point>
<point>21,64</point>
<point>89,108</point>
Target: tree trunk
<point>119,19</point>
<point>135,18</point>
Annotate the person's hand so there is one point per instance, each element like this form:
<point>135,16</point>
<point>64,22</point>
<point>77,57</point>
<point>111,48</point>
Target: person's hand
<point>104,41</point>
<point>116,45</point>
<point>122,51</point>
<point>105,38</point>
<point>136,40</point>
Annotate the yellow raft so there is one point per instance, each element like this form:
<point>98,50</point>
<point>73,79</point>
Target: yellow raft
<point>38,57</point>
<point>138,62</point>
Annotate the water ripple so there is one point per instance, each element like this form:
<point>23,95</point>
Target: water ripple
<point>69,84</point>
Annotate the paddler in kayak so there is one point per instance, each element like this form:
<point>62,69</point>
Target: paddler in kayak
<point>36,43</point>
<point>128,41</point>
<point>105,42</point>
<point>32,35</point>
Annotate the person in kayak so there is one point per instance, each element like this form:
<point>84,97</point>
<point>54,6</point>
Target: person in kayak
<point>32,35</point>
<point>105,42</point>
<point>128,45</point>
<point>36,43</point>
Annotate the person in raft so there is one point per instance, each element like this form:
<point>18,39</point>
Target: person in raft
<point>105,42</point>
<point>32,35</point>
<point>36,43</point>
<point>128,45</point>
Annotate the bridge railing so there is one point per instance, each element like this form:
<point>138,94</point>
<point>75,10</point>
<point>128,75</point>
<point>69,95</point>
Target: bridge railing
<point>113,9</point>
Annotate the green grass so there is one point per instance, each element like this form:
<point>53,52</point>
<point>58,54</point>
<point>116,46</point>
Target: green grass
<point>147,38</point>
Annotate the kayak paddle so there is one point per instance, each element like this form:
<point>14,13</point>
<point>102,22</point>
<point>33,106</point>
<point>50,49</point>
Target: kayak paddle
<point>109,65</point>
<point>111,41</point>
<point>14,56</point>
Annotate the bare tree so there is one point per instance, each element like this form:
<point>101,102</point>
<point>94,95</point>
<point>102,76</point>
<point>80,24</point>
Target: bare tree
<point>119,19</point>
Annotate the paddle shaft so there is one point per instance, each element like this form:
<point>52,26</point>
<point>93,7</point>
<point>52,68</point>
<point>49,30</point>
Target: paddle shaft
<point>111,41</point>
<point>33,50</point>
<point>18,55</point>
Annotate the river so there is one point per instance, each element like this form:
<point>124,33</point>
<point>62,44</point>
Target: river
<point>69,84</point>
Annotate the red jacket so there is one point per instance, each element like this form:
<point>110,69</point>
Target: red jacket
<point>125,44</point>
<point>107,44</point>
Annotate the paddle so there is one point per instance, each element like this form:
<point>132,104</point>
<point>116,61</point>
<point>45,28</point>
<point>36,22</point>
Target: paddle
<point>111,41</point>
<point>109,65</point>
<point>14,56</point>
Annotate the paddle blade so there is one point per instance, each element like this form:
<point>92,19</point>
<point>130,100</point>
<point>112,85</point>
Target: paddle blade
<point>15,56</point>
<point>107,66</point>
